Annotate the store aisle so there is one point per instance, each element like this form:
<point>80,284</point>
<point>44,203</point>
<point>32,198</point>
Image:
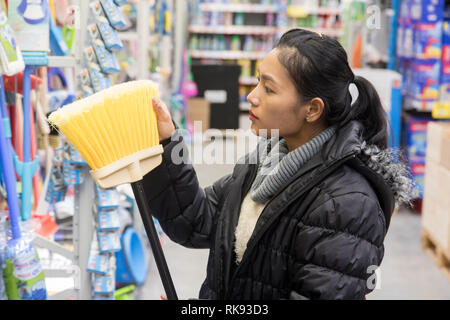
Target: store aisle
<point>407,272</point>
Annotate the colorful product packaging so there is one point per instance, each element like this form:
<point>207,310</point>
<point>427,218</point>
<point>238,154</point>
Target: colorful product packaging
<point>425,80</point>
<point>445,72</point>
<point>107,199</point>
<point>108,221</point>
<point>415,140</point>
<point>428,41</point>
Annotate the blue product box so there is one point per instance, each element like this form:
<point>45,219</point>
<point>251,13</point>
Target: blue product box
<point>445,71</point>
<point>74,174</point>
<point>113,14</point>
<point>54,193</point>
<point>108,221</point>
<point>425,80</point>
<point>405,30</point>
<point>121,2</point>
<point>73,155</point>
<point>107,199</point>
<point>418,174</point>
<point>108,62</point>
<point>428,41</point>
<point>98,264</point>
<point>415,138</point>
<point>445,83</point>
<point>415,141</point>
<point>109,36</point>
<point>446,41</point>
<point>109,242</point>
<point>427,11</point>
<point>97,80</point>
<point>104,285</point>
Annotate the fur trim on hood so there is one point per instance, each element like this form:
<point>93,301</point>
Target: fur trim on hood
<point>389,164</point>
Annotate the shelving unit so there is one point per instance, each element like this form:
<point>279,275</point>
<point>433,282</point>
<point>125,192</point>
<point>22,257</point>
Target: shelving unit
<point>241,30</point>
<point>83,226</point>
<point>285,15</point>
<point>240,7</point>
<point>227,55</point>
<point>327,31</point>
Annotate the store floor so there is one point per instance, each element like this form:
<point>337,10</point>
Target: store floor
<point>406,272</point>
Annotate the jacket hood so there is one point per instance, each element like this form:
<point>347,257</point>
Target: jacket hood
<point>386,163</point>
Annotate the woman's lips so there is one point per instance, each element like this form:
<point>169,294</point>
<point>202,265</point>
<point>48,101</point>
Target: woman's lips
<point>252,115</point>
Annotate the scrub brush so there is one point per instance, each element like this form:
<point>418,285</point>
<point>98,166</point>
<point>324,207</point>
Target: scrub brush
<point>116,132</point>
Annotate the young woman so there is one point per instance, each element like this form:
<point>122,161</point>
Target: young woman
<point>312,226</point>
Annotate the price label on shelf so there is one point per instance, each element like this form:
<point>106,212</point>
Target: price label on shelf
<point>441,110</point>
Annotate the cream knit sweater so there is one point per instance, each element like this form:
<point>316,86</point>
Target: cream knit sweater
<point>250,212</point>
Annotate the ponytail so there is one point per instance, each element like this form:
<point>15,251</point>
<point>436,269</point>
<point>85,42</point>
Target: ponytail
<point>370,112</point>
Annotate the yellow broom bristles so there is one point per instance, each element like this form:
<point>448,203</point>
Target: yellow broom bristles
<point>112,124</point>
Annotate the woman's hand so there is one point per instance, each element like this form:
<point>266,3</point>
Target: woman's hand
<point>165,124</point>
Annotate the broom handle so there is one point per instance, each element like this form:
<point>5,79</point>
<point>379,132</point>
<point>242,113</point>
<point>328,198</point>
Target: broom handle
<point>144,210</point>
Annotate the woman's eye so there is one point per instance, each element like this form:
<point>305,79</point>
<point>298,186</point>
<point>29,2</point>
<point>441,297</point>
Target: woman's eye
<point>268,90</point>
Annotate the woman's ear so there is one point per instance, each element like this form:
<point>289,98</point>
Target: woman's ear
<point>314,110</point>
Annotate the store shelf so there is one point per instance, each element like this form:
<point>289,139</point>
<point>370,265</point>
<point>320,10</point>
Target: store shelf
<point>61,62</point>
<point>441,110</point>
<point>128,36</point>
<point>243,7</point>
<point>256,30</point>
<point>248,81</point>
<point>227,55</point>
<point>244,106</point>
<point>301,12</point>
<point>326,31</point>
<point>418,105</point>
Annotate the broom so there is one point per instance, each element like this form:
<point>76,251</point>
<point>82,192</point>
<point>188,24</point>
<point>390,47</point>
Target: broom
<point>116,132</point>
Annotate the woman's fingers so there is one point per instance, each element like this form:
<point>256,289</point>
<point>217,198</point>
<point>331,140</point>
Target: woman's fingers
<point>164,119</point>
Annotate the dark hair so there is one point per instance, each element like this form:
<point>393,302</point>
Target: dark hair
<point>319,67</point>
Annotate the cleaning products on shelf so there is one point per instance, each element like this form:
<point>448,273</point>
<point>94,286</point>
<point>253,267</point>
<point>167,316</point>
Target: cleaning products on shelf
<point>56,189</point>
<point>106,199</point>
<point>33,12</point>
<point>97,263</point>
<point>58,44</point>
<point>3,242</point>
<point>10,55</point>
<point>109,36</point>
<point>27,168</point>
<point>22,271</point>
<point>112,12</point>
<point>30,21</point>
<point>107,33</point>
<point>445,70</point>
<point>106,242</point>
<point>106,59</point>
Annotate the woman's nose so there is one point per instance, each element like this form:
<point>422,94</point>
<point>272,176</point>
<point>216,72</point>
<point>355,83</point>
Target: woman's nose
<point>252,98</point>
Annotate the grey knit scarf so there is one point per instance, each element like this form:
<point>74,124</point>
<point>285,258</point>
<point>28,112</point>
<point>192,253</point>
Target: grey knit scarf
<point>277,165</point>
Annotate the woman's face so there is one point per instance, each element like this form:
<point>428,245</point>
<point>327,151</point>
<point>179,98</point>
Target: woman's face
<point>275,102</point>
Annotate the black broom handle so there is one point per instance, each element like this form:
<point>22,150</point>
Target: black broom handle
<point>144,210</point>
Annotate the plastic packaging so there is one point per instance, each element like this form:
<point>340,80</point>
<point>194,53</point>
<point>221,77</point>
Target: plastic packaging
<point>10,54</point>
<point>113,14</point>
<point>3,242</point>
<point>24,277</point>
